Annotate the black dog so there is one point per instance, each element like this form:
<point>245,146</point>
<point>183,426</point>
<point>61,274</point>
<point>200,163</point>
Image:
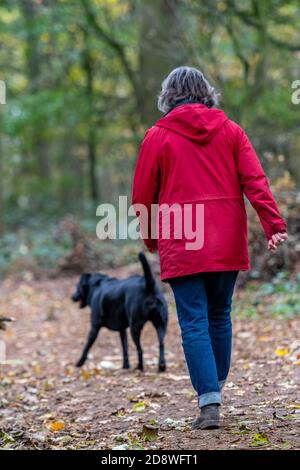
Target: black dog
<point>119,304</point>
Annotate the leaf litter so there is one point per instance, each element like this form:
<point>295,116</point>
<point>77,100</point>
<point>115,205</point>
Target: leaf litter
<point>46,403</point>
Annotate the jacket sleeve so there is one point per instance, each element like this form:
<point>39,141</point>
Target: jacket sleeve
<point>255,186</point>
<point>146,186</point>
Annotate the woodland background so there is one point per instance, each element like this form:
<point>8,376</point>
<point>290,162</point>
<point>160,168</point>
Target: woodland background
<point>82,78</point>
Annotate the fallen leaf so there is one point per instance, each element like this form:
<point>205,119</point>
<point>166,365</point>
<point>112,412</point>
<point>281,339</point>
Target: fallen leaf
<point>119,412</point>
<point>37,369</point>
<point>6,437</point>
<point>153,422</point>
<point>108,365</point>
<point>149,433</point>
<point>121,447</point>
<point>55,425</point>
<point>85,374</point>
<point>259,439</point>
<point>176,424</point>
<point>281,352</point>
<point>177,378</point>
<point>140,406</point>
<point>264,338</point>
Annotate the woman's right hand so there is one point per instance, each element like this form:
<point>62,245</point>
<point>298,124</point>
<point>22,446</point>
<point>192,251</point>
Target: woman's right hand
<point>276,240</point>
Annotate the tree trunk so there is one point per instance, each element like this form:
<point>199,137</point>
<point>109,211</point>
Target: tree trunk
<point>91,134</point>
<point>71,188</point>
<point>92,163</point>
<point>29,9</point>
<point>161,50</point>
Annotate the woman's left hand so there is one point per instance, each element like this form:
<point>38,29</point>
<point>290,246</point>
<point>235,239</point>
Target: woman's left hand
<point>276,240</point>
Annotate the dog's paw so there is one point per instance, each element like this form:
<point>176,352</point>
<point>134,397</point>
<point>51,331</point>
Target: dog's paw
<point>162,367</point>
<point>140,368</point>
<point>126,366</point>
<point>80,363</point>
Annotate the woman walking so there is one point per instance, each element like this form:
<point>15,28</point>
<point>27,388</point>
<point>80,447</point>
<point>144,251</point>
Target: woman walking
<point>195,155</point>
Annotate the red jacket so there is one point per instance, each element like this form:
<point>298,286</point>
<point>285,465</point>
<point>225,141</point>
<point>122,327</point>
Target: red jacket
<point>196,154</point>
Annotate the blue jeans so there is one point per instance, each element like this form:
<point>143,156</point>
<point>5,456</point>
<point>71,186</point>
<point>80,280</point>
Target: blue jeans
<point>203,304</point>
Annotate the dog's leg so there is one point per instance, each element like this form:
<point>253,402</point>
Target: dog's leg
<point>136,335</point>
<point>91,339</point>
<point>161,334</point>
<point>123,335</point>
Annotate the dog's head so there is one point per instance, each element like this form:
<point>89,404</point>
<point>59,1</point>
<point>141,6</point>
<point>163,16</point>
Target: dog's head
<point>82,290</point>
<point>86,283</point>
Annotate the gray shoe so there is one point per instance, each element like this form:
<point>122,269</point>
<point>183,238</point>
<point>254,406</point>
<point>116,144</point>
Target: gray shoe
<point>208,419</point>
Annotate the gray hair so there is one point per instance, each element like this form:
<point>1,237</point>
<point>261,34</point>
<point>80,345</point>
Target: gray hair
<point>186,83</point>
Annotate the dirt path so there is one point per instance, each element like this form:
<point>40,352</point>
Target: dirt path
<point>47,403</point>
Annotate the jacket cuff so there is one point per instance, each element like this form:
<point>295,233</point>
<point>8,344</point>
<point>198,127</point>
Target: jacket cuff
<point>281,228</point>
<point>276,228</point>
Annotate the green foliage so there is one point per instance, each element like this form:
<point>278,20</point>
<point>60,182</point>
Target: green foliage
<point>279,298</point>
<point>67,73</point>
<point>30,247</point>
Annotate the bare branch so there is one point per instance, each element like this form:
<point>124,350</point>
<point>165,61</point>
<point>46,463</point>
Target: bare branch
<point>112,42</point>
<point>248,18</point>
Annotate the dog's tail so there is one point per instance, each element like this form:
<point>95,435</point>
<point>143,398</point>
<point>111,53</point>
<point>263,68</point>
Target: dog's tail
<point>150,282</point>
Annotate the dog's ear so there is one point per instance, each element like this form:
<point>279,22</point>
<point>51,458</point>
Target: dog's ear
<point>84,279</point>
<point>97,279</point>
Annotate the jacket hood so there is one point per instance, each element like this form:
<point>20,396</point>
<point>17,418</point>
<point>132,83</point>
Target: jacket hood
<point>195,121</point>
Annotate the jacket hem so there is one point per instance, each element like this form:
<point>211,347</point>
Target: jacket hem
<point>239,267</point>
